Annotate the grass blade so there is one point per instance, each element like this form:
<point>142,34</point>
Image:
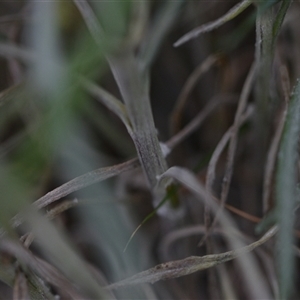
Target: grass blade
<point>133,85</point>
<point>134,89</point>
<point>84,181</point>
<point>286,194</point>
<point>257,285</point>
<point>109,101</point>
<point>189,265</point>
<point>162,24</point>
<point>231,14</point>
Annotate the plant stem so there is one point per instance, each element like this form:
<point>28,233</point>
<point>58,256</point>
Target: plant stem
<point>133,85</point>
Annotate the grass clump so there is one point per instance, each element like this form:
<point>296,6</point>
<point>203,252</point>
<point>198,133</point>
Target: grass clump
<point>115,145</point>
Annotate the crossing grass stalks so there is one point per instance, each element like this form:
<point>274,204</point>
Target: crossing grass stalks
<point>113,138</point>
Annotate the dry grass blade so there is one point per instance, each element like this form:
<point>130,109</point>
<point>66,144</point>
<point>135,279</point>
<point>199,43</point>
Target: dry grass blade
<point>243,214</point>
<point>212,167</point>
<point>210,175</point>
<point>61,253</point>
<point>39,266</point>
<point>210,178</point>
<point>80,183</point>
<point>20,290</point>
<point>178,268</point>
<point>272,153</point>
<point>61,207</point>
<point>160,28</point>
<point>28,238</point>
<point>135,92</point>
<point>234,136</point>
<point>179,137</point>
<point>257,286</point>
<point>54,277</point>
<point>173,236</point>
<point>187,89</point>
<point>109,101</point>
<point>189,180</point>
<point>84,181</point>
<point>264,53</point>
<point>231,14</point>
<point>197,121</point>
<point>268,25</point>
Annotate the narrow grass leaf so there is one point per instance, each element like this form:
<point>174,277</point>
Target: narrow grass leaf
<point>162,24</point>
<point>189,265</point>
<point>109,129</point>
<point>188,87</point>
<point>238,121</point>
<point>109,101</point>
<point>257,286</point>
<point>286,193</point>
<point>231,14</point>
<point>49,273</point>
<point>214,103</point>
<point>134,87</point>
<point>285,4</point>
<point>79,183</point>
<point>271,161</point>
<point>84,181</point>
<point>135,92</point>
<point>268,24</point>
<point>171,192</point>
<point>60,251</point>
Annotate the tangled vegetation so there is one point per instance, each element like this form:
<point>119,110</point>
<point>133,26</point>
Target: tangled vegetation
<point>149,150</point>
